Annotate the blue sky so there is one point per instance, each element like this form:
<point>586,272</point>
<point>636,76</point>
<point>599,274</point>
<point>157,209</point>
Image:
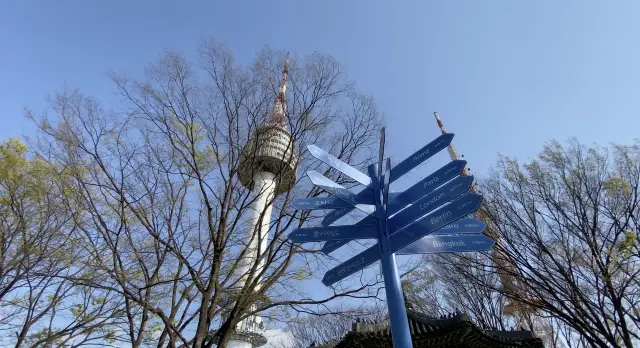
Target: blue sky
<point>506,76</point>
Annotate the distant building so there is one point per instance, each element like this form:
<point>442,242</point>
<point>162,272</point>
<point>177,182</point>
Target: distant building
<point>456,330</point>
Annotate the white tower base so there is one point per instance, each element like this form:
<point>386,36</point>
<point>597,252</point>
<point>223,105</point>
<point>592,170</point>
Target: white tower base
<point>239,344</point>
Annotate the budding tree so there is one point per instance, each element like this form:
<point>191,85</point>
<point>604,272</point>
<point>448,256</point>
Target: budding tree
<point>156,194</point>
<point>38,251</point>
<point>567,226</point>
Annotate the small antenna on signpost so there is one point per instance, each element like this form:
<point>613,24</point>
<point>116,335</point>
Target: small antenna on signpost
<point>381,153</point>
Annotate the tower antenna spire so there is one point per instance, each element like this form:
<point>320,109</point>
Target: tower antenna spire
<point>280,104</point>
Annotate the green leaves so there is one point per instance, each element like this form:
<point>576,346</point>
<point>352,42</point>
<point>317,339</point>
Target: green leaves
<point>110,337</point>
<point>302,273</point>
<point>617,186</point>
<point>76,310</point>
<point>625,246</point>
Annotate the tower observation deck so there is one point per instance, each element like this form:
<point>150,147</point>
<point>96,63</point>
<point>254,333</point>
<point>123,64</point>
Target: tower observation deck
<point>270,150</point>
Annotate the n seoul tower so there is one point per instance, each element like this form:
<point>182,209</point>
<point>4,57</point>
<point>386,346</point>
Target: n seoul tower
<point>268,168</point>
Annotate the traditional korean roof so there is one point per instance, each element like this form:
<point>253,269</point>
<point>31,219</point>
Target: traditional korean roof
<point>455,330</point>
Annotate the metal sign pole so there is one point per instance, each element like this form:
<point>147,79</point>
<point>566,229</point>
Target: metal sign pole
<point>395,300</point>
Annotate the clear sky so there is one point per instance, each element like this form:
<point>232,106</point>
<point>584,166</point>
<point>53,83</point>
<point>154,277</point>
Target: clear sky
<point>506,76</point>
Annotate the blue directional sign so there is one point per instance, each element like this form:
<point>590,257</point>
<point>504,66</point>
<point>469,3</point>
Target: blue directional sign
<point>429,217</point>
<point>426,185</point>
<point>432,244</point>
<point>353,265</point>
<point>420,156</point>
<point>398,201</point>
<point>321,234</point>
<point>401,169</point>
<point>333,216</point>
<point>340,192</point>
<point>430,202</point>
<point>339,165</point>
<point>420,207</point>
<point>463,226</point>
<point>393,195</point>
<point>334,245</point>
<point>458,208</point>
<point>313,203</point>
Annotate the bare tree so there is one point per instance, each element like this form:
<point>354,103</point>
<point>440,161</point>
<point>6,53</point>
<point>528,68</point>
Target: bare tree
<point>330,326</point>
<point>158,203</point>
<point>567,224</point>
<point>423,290</point>
<point>441,285</point>
<point>438,288</point>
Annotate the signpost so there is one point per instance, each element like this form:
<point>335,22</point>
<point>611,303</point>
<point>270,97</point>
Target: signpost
<point>353,265</point>
<point>457,209</point>
<point>426,185</point>
<point>337,190</point>
<point>429,217</point>
<point>404,167</point>
<point>448,244</point>
<point>412,194</point>
<point>313,203</point>
<point>463,226</point>
<point>430,202</point>
<point>339,165</point>
<point>321,234</point>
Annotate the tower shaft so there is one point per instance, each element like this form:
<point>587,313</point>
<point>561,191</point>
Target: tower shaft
<point>257,231</point>
<point>256,237</point>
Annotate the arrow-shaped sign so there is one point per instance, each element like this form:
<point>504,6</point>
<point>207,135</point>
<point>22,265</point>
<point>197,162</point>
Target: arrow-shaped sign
<point>313,203</point>
<point>425,205</point>
<point>430,202</point>
<point>458,208</point>
<point>401,169</point>
<point>426,185</point>
<point>433,244</point>
<point>337,214</point>
<point>322,234</point>
<point>463,226</point>
<point>352,265</point>
<point>421,155</point>
<point>462,206</point>
<point>340,192</point>
<point>339,165</point>
<point>334,245</point>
